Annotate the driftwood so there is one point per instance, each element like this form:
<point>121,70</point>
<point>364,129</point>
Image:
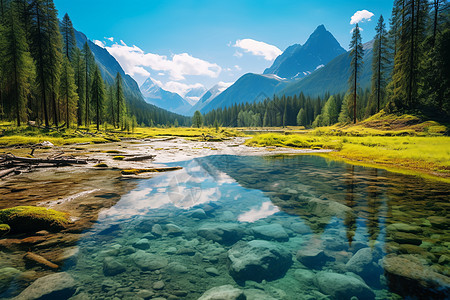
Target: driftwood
<point>139,158</point>
<point>10,164</point>
<point>37,259</point>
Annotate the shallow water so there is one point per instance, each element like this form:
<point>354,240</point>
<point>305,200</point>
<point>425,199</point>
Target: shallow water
<point>286,227</point>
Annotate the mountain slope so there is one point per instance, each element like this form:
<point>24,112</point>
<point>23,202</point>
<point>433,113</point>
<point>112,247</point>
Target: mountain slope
<point>194,94</point>
<point>144,112</point>
<point>209,96</point>
<point>332,78</point>
<point>249,88</point>
<point>298,61</point>
<point>159,97</point>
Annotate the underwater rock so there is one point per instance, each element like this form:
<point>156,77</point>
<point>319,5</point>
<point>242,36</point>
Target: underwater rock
<point>142,244</point>
<point>227,216</point>
<point>7,275</point>
<point>112,267</point>
<point>198,214</point>
<point>439,222</point>
<point>306,277</point>
<point>148,262</point>
<point>408,277</point>
<point>224,292</point>
<point>300,228</point>
<point>145,294</point>
<point>55,286</point>
<point>159,285</point>
<point>212,271</point>
<point>403,227</point>
<point>361,261</point>
<point>173,229</point>
<point>406,238</point>
<point>328,208</point>
<point>258,260</point>
<point>340,286</point>
<point>175,267</point>
<point>226,234</point>
<point>272,232</point>
<point>312,257</point>
<point>254,294</point>
<point>157,230</point>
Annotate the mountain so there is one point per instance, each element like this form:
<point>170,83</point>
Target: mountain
<point>332,78</point>
<point>209,96</point>
<point>194,94</point>
<point>298,61</point>
<point>159,97</point>
<point>249,88</point>
<point>144,112</point>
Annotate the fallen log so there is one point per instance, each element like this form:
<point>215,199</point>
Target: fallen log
<point>7,172</point>
<point>139,158</point>
<point>42,160</point>
<point>36,258</point>
<point>152,170</point>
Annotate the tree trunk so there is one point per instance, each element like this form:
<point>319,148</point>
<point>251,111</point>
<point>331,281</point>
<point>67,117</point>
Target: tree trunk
<point>41,70</point>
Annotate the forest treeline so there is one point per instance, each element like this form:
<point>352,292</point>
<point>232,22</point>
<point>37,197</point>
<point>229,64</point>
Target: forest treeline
<point>410,73</point>
<point>47,79</point>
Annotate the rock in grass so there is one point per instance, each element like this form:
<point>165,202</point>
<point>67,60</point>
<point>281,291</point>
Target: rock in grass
<point>225,292</point>
<point>55,286</point>
<point>32,218</point>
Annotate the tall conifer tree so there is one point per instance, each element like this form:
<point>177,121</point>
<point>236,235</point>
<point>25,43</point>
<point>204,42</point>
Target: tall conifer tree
<point>356,55</point>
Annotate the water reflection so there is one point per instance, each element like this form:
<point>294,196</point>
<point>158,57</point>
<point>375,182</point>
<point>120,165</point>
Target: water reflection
<point>308,227</point>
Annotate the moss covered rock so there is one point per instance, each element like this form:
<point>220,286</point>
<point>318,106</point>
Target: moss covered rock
<point>32,218</point>
<point>4,229</point>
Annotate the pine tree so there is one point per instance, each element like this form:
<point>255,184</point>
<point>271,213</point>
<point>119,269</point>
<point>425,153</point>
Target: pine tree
<point>301,117</point>
<point>379,61</point>
<point>120,100</point>
<point>89,64</point>
<point>197,119</point>
<point>68,34</point>
<point>79,70</point>
<point>17,64</point>
<point>356,54</point>
<point>68,92</point>
<point>98,95</point>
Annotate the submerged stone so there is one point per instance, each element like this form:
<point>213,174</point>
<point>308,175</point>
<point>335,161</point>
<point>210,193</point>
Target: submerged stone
<point>312,257</point>
<point>339,286</point>
<point>272,232</point>
<point>7,275</point>
<point>148,262</point>
<point>224,292</point>
<point>408,277</point>
<point>226,234</point>
<point>112,267</point>
<point>55,286</point>
<point>258,260</point>
<point>142,244</point>
<point>198,214</point>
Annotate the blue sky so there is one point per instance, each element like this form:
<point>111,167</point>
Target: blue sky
<point>186,43</point>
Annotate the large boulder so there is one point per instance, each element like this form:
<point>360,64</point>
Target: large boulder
<point>340,286</point>
<point>364,264</point>
<point>112,267</point>
<point>55,286</point>
<point>272,232</point>
<point>408,277</point>
<point>226,234</point>
<point>224,292</point>
<point>258,260</point>
<point>148,262</point>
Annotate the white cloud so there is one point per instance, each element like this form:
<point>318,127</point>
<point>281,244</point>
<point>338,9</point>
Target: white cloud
<point>360,16</point>
<point>269,52</point>
<point>238,54</point>
<point>134,61</point>
<point>99,43</point>
<point>224,85</point>
<point>110,39</point>
<point>237,68</point>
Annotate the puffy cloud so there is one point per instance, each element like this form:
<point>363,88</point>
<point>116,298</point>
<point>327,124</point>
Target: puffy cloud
<point>110,39</point>
<point>134,61</point>
<point>99,43</point>
<point>238,54</point>
<point>360,16</point>
<point>224,85</point>
<point>269,52</point>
